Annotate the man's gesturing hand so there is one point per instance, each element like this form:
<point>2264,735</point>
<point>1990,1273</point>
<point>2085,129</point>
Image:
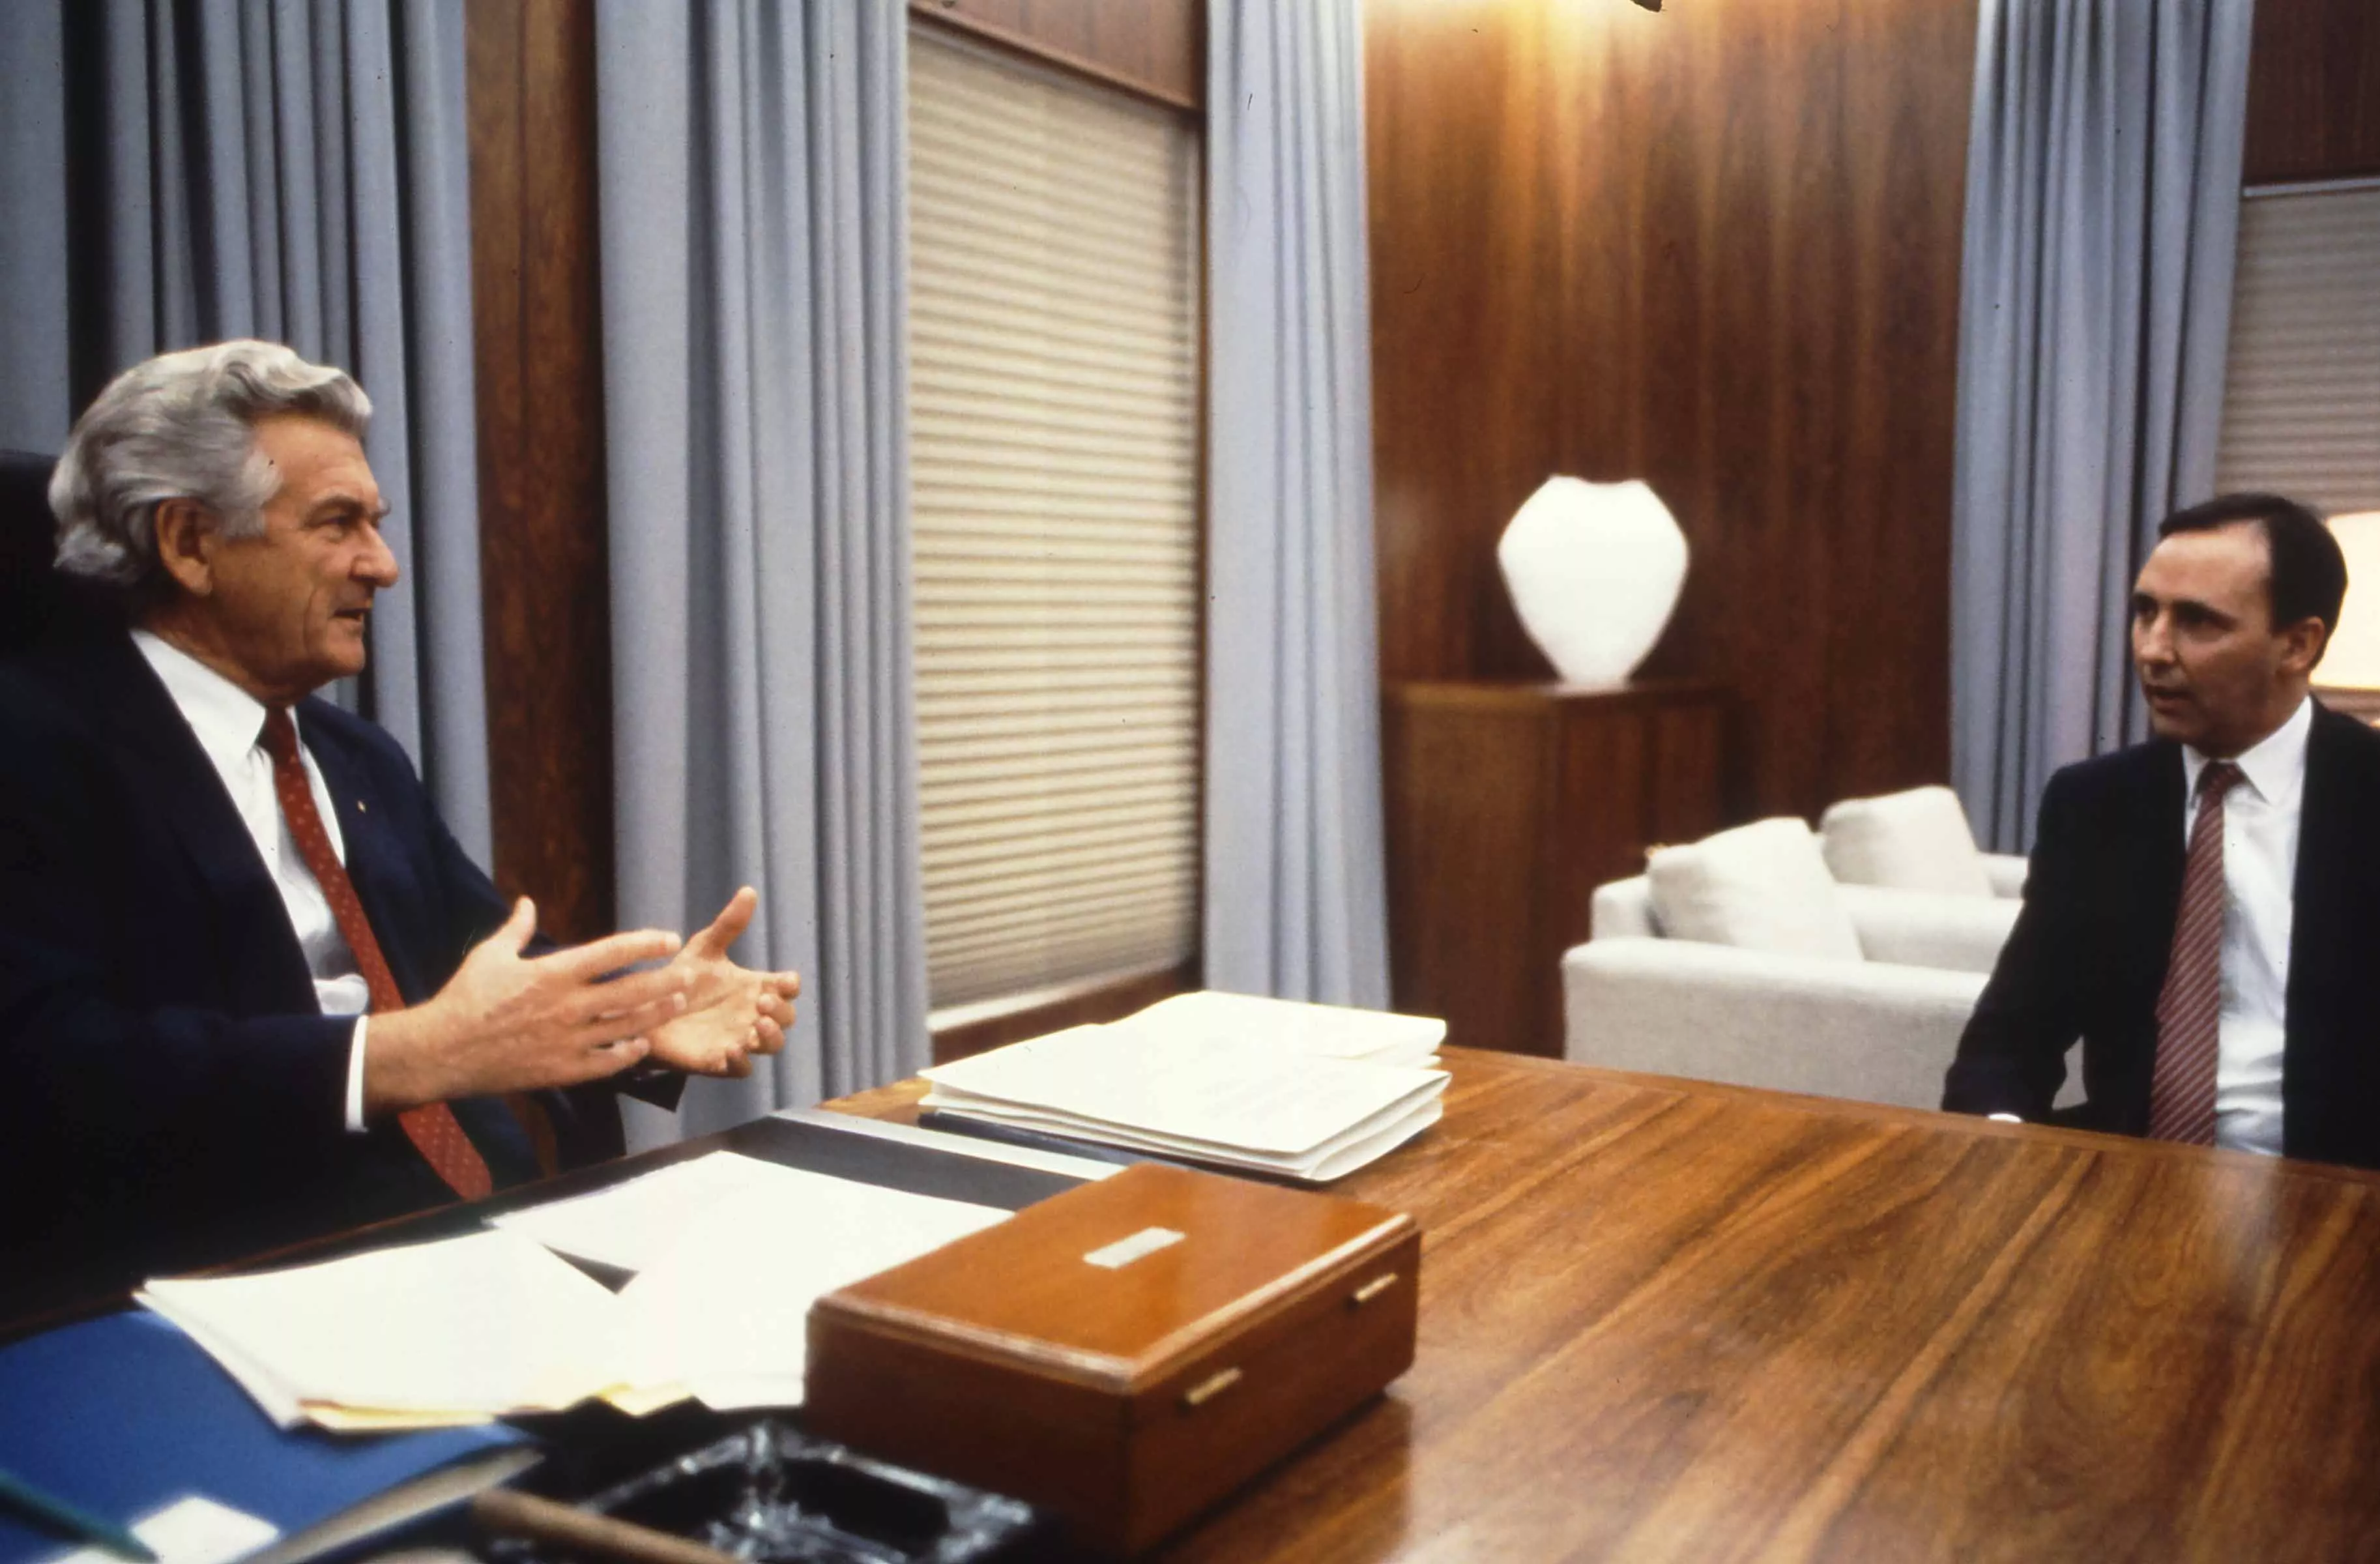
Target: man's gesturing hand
<point>732,1013</point>
<point>505,1024</point>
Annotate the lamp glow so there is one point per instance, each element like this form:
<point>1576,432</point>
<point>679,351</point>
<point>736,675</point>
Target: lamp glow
<point>2352,661</point>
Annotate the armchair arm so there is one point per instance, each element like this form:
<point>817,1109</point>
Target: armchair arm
<point>2006,871</point>
<point>1868,1031</point>
<point>1622,910</point>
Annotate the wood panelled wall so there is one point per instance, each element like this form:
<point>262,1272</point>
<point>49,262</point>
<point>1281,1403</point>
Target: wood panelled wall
<point>1716,247</point>
<point>2314,92</point>
<point>546,585</point>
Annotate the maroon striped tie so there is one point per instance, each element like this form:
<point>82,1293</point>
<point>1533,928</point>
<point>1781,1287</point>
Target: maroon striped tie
<point>433,1127</point>
<point>2189,1007</point>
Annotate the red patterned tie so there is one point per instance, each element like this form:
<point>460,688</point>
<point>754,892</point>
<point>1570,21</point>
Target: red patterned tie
<point>434,1127</point>
<point>2189,1008</point>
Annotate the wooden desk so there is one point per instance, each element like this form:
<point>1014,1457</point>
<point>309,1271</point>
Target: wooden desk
<point>1669,1320</point>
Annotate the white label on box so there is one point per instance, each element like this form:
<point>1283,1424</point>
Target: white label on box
<point>1124,1251</point>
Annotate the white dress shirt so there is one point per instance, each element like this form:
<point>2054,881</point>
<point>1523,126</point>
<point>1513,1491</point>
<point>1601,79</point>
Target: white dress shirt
<point>2260,862</point>
<point>229,726</point>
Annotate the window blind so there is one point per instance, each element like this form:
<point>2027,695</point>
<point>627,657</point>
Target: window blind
<point>2301,396</point>
<point>1053,340</point>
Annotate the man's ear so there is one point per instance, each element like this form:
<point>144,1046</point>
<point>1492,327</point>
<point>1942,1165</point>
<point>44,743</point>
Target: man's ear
<point>186,544</point>
<point>2302,645</point>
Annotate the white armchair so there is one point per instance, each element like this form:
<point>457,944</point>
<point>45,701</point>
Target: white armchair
<point>1882,1029</point>
<point>1798,984</point>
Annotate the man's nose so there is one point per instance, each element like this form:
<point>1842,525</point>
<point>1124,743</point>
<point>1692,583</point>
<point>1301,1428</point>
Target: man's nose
<point>378,564</point>
<point>2152,639</point>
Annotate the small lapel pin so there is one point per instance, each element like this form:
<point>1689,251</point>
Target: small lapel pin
<point>359,806</point>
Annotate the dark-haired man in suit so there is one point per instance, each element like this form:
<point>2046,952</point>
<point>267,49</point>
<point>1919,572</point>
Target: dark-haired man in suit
<point>2203,910</point>
<point>250,989</point>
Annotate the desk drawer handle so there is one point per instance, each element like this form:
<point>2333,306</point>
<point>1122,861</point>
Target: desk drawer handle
<point>1207,1390</point>
<point>1372,1289</point>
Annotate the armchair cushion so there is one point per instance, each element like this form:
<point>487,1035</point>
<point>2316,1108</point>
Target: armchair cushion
<point>1921,928</point>
<point>1914,840</point>
<point>1761,887</point>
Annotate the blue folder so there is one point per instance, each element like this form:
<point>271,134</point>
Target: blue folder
<point>123,1415</point>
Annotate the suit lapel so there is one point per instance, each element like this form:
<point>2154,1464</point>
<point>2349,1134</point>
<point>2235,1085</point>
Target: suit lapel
<point>184,796</point>
<point>2159,856</point>
<point>2330,866</point>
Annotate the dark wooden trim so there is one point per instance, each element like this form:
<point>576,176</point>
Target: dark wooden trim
<point>546,585</point>
<point>1039,50</point>
<point>1093,1002</point>
<point>2314,92</point>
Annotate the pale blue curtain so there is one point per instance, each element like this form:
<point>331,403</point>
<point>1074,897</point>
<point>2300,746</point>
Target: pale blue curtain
<point>181,171</point>
<point>1294,904</point>
<point>754,257</point>
<point>2103,190</point>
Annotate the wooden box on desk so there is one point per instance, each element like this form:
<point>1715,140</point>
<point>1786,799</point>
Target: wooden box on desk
<point>1125,1397</point>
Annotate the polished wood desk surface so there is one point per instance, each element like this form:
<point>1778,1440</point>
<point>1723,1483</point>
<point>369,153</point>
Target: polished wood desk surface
<point>1662,1320</point>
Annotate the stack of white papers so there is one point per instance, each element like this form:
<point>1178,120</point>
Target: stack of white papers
<point>1310,1092</point>
<point>1379,1037</point>
<point>730,1253</point>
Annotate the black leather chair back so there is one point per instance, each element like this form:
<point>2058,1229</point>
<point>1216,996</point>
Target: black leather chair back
<point>36,603</point>
<point>29,584</point>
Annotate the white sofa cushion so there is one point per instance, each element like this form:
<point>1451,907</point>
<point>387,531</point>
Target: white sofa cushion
<point>1912,841</point>
<point>1761,887</point>
<point>1921,928</point>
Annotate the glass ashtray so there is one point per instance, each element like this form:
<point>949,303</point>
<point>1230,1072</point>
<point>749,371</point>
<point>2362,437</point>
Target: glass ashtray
<point>773,1494</point>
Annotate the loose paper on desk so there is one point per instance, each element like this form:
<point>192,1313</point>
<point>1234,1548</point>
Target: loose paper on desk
<point>726,1313</point>
<point>1231,1098</point>
<point>634,1223</point>
<point>445,1332</point>
<point>473,1328</point>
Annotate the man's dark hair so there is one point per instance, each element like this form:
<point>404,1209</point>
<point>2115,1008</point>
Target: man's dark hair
<point>2309,574</point>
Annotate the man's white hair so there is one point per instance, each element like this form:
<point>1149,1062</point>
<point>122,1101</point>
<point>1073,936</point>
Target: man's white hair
<point>182,426</point>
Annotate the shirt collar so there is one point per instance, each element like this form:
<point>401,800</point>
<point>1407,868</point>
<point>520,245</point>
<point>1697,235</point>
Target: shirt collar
<point>2274,766</point>
<point>226,719</point>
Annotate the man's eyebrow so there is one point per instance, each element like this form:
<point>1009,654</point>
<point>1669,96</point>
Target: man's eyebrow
<point>377,510</point>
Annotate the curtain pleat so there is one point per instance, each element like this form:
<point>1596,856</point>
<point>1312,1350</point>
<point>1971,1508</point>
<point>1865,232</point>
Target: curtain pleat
<point>1294,893</point>
<point>750,158</point>
<point>2103,187</point>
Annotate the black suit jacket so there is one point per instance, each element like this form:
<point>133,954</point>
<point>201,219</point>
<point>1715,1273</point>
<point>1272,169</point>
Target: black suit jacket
<point>174,1096</point>
<point>2088,954</point>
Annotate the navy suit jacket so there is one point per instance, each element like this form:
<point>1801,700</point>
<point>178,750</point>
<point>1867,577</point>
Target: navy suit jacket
<point>173,1098</point>
<point>2088,954</point>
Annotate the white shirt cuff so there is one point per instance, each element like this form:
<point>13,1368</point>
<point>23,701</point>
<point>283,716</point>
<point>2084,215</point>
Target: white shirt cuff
<point>2003,1117</point>
<point>356,1125</point>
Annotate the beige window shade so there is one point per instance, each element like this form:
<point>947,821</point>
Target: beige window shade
<point>1054,348</point>
<point>2302,397</point>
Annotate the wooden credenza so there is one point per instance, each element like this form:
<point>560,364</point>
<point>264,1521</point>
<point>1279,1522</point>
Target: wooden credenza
<point>1508,804</point>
